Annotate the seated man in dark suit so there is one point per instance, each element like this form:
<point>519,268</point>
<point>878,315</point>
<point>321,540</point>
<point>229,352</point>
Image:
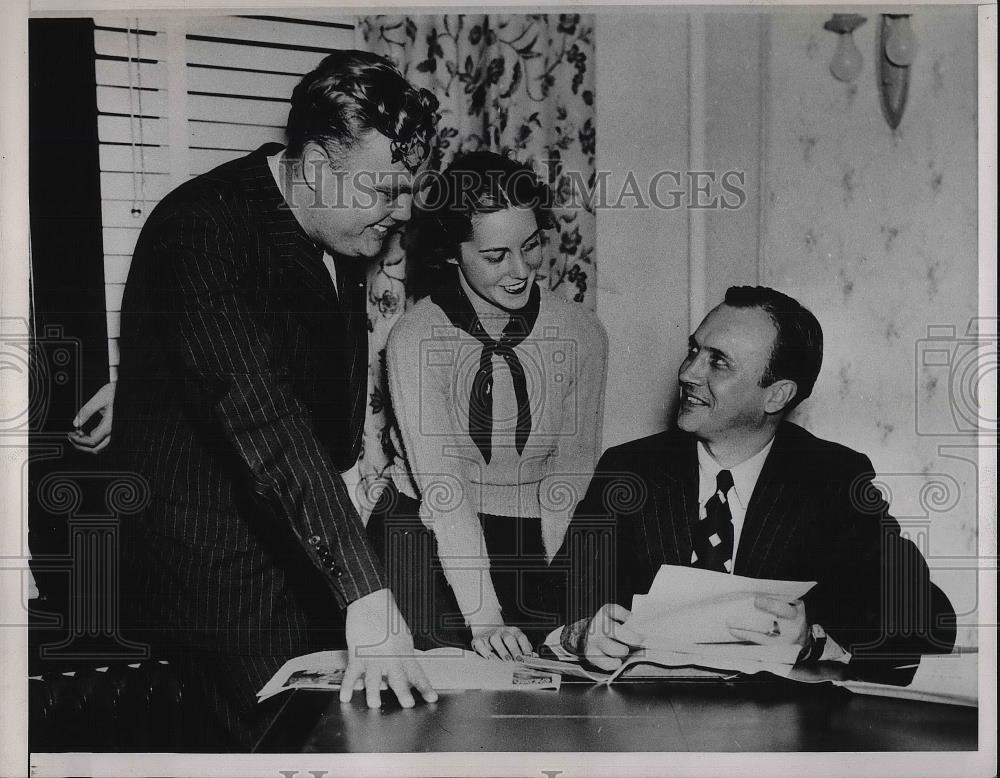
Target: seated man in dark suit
<point>738,489</point>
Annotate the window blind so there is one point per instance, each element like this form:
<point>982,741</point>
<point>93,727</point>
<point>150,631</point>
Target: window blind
<point>177,97</point>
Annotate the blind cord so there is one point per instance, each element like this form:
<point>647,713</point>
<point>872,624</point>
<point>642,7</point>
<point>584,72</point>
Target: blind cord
<point>135,117</point>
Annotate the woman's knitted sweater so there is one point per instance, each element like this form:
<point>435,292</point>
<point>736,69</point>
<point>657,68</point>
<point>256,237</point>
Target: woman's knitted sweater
<point>431,365</point>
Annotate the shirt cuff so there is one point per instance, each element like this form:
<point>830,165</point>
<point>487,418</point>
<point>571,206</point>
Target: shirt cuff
<point>833,652</point>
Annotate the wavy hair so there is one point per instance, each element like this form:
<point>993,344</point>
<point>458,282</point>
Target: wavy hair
<point>448,204</point>
<point>352,92</point>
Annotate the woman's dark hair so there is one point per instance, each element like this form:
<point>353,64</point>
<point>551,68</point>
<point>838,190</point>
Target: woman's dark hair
<point>797,353</point>
<point>352,92</point>
<point>447,203</point>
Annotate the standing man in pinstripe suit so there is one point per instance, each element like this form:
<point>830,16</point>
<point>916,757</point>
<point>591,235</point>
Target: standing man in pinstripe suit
<point>241,399</point>
<point>738,489</point>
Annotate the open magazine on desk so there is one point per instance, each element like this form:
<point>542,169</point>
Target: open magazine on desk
<point>447,669</point>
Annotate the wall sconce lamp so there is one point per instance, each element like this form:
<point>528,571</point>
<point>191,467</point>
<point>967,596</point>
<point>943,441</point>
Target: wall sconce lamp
<point>846,63</point>
<point>897,49</point>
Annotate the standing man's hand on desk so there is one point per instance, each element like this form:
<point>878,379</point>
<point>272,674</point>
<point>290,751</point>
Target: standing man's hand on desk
<point>603,640</point>
<point>379,645</point>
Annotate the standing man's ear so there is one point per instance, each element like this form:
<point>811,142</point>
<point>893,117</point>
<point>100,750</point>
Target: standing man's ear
<point>314,161</point>
<point>779,395</point>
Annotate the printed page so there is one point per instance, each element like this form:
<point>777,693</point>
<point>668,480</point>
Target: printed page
<point>570,667</point>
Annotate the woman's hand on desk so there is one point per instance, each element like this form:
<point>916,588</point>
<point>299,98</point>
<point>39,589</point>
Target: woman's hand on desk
<point>508,643</point>
<point>608,641</point>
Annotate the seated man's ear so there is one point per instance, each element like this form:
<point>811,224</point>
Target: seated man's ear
<point>779,395</point>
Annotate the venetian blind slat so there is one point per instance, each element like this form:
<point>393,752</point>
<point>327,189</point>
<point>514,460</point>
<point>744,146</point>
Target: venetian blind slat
<point>122,186</point>
<point>238,110</point>
<point>239,83</point>
<point>116,43</point>
<point>120,157</point>
<point>125,101</point>
<point>115,73</point>
<point>241,137</point>
<point>291,32</point>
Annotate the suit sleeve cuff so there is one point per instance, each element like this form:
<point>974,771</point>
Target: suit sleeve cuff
<point>352,580</point>
<point>820,647</point>
<point>834,652</point>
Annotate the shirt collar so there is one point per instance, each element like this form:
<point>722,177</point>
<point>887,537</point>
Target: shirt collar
<point>274,165</point>
<point>745,474</point>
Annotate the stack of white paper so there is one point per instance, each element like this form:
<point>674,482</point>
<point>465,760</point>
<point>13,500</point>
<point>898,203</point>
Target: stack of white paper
<point>685,616</point>
<point>446,669</point>
<point>684,623</point>
<point>659,665</point>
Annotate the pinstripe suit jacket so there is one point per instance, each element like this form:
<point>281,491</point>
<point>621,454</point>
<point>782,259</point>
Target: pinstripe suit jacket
<point>240,395</point>
<point>814,516</point>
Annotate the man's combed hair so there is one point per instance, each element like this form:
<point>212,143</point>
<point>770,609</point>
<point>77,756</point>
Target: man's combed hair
<point>797,354</point>
<point>473,185</point>
<point>352,92</point>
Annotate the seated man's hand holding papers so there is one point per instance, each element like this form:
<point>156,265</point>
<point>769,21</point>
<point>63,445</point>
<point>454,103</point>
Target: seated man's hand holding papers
<point>699,612</point>
<point>771,621</point>
<point>607,641</point>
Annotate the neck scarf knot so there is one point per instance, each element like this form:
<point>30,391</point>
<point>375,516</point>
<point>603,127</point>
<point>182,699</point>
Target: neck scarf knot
<point>458,308</point>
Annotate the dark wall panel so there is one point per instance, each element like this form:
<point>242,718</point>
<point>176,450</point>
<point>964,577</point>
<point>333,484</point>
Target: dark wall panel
<point>69,348</point>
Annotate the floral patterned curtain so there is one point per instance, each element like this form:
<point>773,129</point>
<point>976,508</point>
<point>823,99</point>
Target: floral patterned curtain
<point>521,85</point>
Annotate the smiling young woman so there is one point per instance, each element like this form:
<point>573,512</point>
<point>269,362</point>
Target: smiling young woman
<point>498,387</point>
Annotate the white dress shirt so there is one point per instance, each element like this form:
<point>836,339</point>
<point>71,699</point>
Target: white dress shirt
<point>745,477</point>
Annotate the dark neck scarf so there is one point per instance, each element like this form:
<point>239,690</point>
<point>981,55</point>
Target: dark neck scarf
<point>458,308</point>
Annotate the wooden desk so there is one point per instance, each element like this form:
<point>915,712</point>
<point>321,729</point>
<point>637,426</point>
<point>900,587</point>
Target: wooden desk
<point>703,716</point>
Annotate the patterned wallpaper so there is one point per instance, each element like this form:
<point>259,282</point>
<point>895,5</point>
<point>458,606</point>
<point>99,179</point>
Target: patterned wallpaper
<point>876,231</point>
